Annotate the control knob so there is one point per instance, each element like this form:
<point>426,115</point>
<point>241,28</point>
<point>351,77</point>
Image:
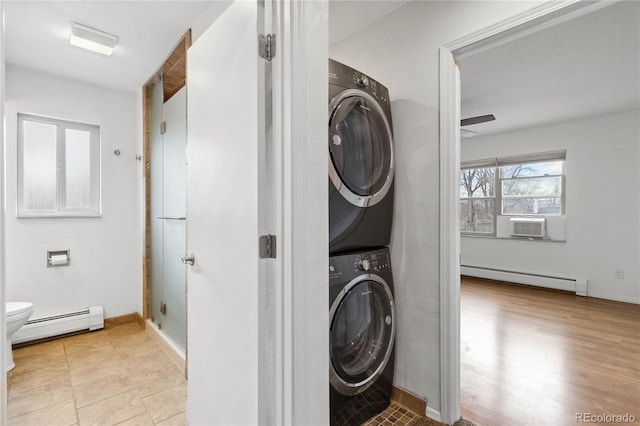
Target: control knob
<point>363,81</point>
<point>364,264</point>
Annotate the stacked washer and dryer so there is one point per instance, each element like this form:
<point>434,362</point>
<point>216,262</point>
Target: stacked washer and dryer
<point>361,190</point>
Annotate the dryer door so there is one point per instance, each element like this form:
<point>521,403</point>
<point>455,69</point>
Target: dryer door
<point>361,334</point>
<point>361,148</point>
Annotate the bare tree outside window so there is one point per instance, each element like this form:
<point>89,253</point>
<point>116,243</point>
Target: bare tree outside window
<point>477,196</point>
<point>530,188</point>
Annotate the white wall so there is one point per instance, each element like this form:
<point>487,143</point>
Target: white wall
<point>208,17</point>
<point>602,205</point>
<point>401,51</point>
<point>106,254</point>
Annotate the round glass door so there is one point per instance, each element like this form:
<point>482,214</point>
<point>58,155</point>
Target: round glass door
<point>361,148</point>
<point>361,334</point>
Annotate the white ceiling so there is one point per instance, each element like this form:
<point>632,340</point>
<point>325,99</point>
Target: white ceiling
<point>37,36</point>
<point>587,66</point>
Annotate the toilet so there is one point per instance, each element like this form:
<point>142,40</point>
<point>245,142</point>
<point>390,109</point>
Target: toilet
<point>17,314</point>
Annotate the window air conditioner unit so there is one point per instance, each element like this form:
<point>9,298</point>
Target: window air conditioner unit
<point>527,227</point>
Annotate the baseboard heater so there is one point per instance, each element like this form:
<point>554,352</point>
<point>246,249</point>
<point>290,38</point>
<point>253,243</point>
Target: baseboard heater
<point>576,285</point>
<point>89,319</point>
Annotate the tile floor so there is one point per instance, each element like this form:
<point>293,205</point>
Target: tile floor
<point>396,414</point>
<point>117,376</point>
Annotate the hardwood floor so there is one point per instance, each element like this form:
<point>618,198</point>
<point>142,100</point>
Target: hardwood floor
<point>532,356</point>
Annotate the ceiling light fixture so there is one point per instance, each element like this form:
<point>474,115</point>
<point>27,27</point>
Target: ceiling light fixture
<point>92,39</point>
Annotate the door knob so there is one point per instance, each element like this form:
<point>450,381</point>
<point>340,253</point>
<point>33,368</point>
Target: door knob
<point>188,259</point>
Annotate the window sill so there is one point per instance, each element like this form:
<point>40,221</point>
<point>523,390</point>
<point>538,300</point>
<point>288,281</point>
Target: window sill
<point>478,235</point>
<point>56,216</point>
<point>493,237</point>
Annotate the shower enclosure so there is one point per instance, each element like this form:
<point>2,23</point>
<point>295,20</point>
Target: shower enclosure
<point>168,181</point>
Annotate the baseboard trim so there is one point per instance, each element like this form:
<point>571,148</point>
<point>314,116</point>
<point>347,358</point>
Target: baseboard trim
<point>614,297</point>
<point>409,400</point>
<point>434,414</point>
<point>124,319</point>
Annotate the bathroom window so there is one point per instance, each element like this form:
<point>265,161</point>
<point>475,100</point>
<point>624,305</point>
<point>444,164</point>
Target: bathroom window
<point>58,168</point>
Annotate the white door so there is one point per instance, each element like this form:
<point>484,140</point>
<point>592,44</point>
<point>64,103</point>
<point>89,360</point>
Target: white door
<point>224,303</point>
<point>222,216</point>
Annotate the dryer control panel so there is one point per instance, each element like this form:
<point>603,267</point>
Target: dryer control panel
<point>350,78</point>
<point>350,265</point>
<point>372,261</point>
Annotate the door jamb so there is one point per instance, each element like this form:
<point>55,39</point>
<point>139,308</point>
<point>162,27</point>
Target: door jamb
<point>3,320</point>
<point>449,106</point>
<point>300,104</point>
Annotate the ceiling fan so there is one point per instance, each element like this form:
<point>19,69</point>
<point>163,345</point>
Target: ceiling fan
<point>465,133</point>
<point>477,120</point>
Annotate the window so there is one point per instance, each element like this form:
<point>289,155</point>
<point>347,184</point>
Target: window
<point>478,200</point>
<point>532,188</point>
<point>58,168</point>
<point>531,185</point>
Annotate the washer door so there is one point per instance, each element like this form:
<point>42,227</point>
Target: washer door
<point>361,333</point>
<point>361,148</point>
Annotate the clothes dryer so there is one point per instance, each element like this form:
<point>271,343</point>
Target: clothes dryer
<point>361,163</point>
<point>362,332</point>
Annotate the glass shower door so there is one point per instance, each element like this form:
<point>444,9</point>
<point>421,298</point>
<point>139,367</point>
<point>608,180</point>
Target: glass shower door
<point>157,202</point>
<point>168,211</point>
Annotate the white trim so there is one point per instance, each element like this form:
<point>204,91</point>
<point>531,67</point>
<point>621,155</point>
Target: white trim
<point>283,126</point>
<point>276,16</point>
<point>269,407</point>
<point>60,208</point>
<point>535,19</point>
<point>434,414</point>
<point>449,107</point>
<point>615,297</point>
<point>449,238</point>
<point>303,46</point>
<point>3,320</point>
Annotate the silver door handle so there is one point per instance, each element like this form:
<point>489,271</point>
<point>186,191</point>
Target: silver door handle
<point>172,217</point>
<point>188,259</point>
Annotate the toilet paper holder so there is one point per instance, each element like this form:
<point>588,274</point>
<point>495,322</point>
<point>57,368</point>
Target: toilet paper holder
<point>58,258</point>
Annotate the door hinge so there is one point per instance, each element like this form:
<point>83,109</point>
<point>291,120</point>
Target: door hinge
<point>163,308</point>
<point>267,246</point>
<point>267,46</point>
<point>163,127</point>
